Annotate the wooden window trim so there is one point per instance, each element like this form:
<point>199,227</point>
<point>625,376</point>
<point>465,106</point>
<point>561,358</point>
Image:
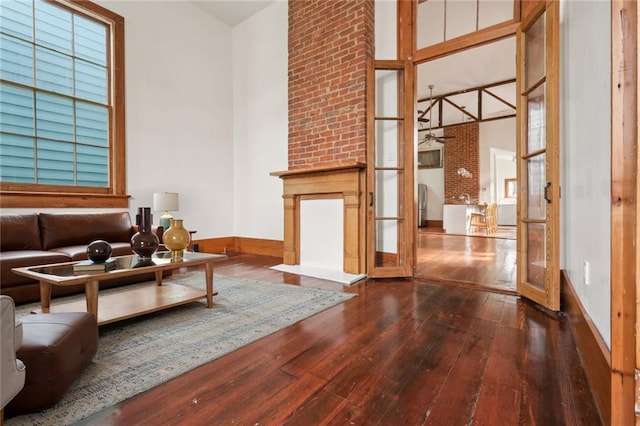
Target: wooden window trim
<point>43,196</point>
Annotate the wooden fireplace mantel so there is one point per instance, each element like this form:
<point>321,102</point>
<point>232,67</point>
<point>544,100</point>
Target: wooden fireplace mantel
<point>319,169</point>
<point>341,181</point>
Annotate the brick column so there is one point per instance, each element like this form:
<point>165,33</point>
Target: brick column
<point>463,150</point>
<point>330,42</point>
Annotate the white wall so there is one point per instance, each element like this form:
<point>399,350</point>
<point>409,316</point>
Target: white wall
<point>505,168</point>
<point>260,122</point>
<point>386,12</point>
<point>494,137</point>
<point>179,134</point>
<point>585,154</point>
<point>434,179</point>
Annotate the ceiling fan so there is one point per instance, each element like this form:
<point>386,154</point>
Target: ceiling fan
<point>429,138</point>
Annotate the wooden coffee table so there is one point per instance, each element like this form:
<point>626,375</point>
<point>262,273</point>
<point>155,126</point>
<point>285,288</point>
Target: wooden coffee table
<point>129,300</point>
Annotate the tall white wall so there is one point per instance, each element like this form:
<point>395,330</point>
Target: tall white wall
<point>260,122</point>
<point>179,134</point>
<point>386,13</point>
<point>585,154</point>
<point>494,136</point>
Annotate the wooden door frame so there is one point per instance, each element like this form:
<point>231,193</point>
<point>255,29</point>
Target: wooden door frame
<point>625,188</point>
<point>625,259</point>
<point>403,265</point>
<point>549,296</point>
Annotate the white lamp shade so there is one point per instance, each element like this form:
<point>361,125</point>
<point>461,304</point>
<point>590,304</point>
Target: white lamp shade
<point>165,201</point>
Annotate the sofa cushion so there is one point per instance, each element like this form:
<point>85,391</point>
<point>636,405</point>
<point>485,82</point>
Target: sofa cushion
<point>22,258</point>
<point>70,229</point>
<point>19,232</point>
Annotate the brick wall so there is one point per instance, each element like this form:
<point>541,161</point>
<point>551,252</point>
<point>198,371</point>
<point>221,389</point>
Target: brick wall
<point>463,150</point>
<point>329,44</point>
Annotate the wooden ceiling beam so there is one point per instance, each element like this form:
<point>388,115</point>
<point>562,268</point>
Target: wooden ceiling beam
<point>471,89</point>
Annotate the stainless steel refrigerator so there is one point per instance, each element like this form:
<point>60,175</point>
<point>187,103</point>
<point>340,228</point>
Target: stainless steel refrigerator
<point>422,205</point>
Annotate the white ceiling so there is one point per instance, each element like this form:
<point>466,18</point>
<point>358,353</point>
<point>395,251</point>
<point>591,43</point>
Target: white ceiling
<point>232,12</point>
<point>468,69</point>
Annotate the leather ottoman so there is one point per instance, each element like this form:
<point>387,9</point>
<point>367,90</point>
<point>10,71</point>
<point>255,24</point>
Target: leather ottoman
<point>55,349</point>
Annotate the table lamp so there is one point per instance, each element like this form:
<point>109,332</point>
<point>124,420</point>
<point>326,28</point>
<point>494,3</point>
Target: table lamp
<point>165,201</point>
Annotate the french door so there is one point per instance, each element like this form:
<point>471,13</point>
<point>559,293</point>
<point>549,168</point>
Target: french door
<point>538,155</point>
<point>390,171</point>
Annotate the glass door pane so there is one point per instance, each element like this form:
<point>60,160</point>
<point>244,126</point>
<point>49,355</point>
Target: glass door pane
<point>538,214</point>
<point>537,254</point>
<point>535,182</point>
<point>535,51</point>
<point>388,139</point>
<point>389,244</point>
<point>536,119</point>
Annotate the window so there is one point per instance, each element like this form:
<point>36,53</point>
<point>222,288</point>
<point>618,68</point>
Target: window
<point>61,105</point>
<point>510,188</point>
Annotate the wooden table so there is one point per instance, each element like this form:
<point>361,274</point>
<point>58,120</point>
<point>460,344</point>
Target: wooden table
<point>132,300</point>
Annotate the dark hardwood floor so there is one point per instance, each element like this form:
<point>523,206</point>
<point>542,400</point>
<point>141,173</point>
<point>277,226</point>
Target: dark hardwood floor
<point>403,352</point>
<point>488,263</point>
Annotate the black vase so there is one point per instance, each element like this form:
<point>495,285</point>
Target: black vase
<point>99,251</point>
<point>144,243</point>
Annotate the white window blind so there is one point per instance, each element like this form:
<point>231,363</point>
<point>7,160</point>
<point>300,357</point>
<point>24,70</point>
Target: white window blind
<point>54,103</point>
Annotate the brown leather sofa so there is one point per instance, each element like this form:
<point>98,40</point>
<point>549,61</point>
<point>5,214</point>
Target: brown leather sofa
<point>39,239</point>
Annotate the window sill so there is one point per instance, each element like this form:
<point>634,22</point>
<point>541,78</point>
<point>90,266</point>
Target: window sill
<point>12,199</point>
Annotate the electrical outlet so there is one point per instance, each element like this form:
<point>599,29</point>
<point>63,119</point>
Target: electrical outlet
<point>586,272</point>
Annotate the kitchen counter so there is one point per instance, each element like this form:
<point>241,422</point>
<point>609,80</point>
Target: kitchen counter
<point>455,217</point>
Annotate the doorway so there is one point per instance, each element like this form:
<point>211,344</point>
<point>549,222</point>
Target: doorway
<point>466,114</point>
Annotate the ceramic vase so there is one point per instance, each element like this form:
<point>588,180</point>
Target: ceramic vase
<point>176,239</point>
<point>99,251</point>
<point>144,243</point>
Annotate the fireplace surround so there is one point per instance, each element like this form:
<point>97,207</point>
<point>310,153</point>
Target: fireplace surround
<point>344,181</point>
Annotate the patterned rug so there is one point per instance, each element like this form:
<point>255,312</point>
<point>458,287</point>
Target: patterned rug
<point>138,354</point>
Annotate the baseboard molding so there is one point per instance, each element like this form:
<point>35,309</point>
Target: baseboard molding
<point>434,224</point>
<point>273,248</point>
<point>594,354</point>
<point>235,245</point>
<point>220,245</point>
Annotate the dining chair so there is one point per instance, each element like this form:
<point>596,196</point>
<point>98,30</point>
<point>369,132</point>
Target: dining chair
<point>486,219</point>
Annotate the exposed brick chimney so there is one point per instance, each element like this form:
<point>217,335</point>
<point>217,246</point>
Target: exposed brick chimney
<point>463,150</point>
<point>329,44</point>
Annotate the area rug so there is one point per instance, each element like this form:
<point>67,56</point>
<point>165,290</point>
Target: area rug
<point>136,355</point>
